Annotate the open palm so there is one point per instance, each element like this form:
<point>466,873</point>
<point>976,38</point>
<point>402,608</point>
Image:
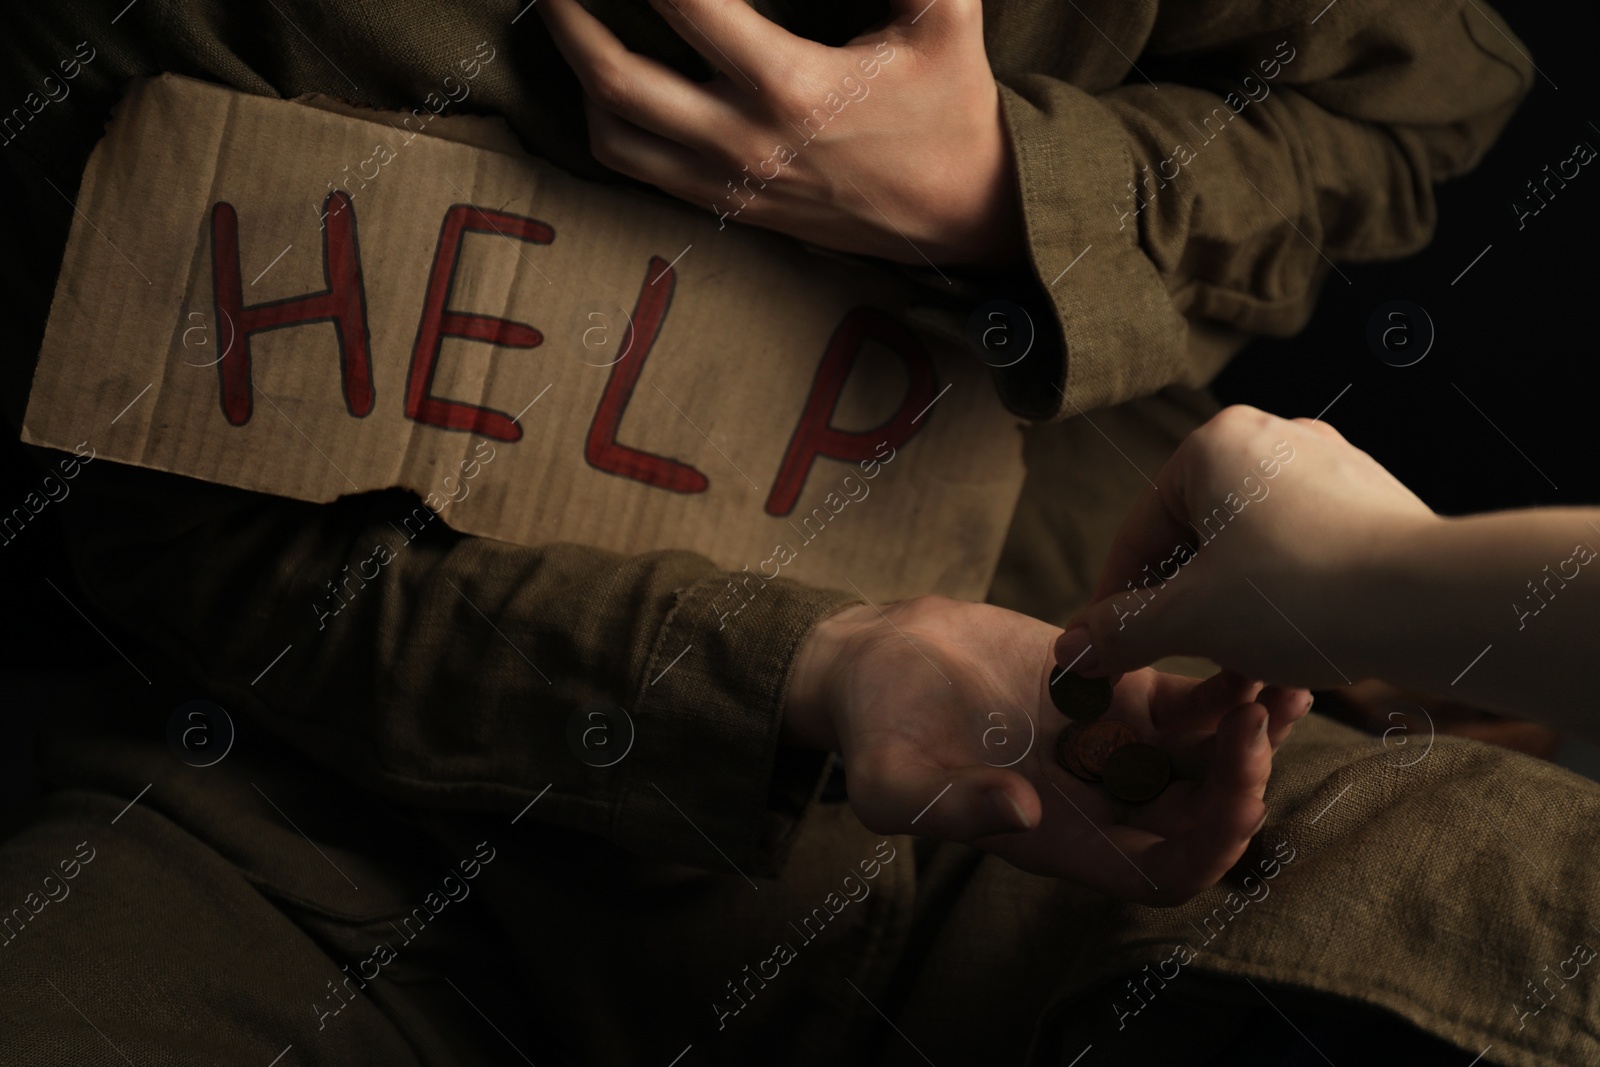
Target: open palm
<point>942,712</point>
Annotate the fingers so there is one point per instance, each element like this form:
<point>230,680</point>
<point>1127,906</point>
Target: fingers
<point>892,795</point>
<point>1179,703</point>
<point>1228,810</point>
<point>1119,634</point>
<point>1285,707</point>
<point>731,36</point>
<point>1140,865</point>
<point>634,87</point>
<point>1243,759</point>
<point>1126,624</point>
<point>638,153</point>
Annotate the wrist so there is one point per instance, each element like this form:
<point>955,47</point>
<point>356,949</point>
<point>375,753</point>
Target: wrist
<point>812,695</point>
<point>1381,594</point>
<point>991,232</point>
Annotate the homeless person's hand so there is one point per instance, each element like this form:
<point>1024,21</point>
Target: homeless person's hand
<point>942,712</point>
<point>1288,507</point>
<point>891,145</point>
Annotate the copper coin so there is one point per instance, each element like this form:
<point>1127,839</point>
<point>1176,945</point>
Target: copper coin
<point>1066,751</point>
<point>1135,773</point>
<point>1080,699</point>
<point>1096,741</point>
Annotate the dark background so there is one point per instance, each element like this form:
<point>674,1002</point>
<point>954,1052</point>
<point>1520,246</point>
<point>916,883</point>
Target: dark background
<point>1511,334</point>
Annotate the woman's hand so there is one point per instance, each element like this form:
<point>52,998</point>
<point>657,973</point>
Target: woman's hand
<point>941,709</point>
<point>1258,547</point>
<point>892,145</point>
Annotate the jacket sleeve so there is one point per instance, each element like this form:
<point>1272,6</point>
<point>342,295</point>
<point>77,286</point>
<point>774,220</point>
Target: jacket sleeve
<point>1251,148</point>
<point>447,670</point>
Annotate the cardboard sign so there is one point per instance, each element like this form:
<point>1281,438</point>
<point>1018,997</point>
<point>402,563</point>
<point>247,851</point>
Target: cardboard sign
<point>314,301</point>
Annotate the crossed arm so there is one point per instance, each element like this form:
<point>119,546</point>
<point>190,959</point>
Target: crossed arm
<point>891,145</point>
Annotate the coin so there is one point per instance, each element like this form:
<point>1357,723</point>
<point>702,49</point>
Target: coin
<point>1135,773</point>
<point>1080,699</point>
<point>1066,751</point>
<point>1092,745</point>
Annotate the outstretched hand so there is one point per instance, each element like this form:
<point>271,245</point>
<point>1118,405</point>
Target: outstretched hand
<point>1254,547</point>
<point>890,145</point>
<point>942,712</point>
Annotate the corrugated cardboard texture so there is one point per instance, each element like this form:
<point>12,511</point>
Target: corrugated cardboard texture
<point>769,409</point>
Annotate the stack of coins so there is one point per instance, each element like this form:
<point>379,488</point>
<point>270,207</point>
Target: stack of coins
<point>1086,748</point>
<point>1105,750</point>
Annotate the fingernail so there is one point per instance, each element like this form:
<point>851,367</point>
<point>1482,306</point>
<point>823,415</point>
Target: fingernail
<point>1075,651</point>
<point>1262,823</point>
<point>1009,810</point>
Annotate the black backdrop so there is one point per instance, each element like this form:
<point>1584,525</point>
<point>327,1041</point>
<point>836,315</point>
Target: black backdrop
<point>1512,334</point>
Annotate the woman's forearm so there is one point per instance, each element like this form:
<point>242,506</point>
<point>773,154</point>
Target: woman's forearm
<point>1500,611</point>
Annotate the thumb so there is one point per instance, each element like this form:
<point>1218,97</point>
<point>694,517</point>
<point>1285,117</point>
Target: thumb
<point>1121,633</point>
<point>952,804</point>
